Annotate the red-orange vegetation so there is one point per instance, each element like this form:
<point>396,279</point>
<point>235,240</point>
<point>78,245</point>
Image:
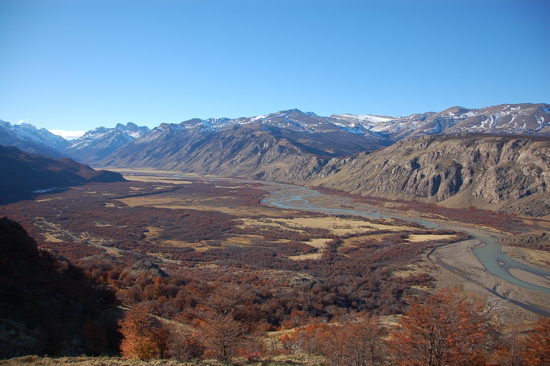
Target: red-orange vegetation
<point>223,336</point>
<point>144,335</point>
<point>443,330</point>
<point>536,345</point>
<point>186,346</point>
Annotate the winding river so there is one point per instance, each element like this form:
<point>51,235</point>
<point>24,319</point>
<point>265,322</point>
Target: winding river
<point>489,254</point>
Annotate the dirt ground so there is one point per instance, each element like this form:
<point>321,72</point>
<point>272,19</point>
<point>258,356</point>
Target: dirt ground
<point>456,266</point>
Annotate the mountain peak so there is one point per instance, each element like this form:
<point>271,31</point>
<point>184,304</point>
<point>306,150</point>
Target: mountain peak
<point>458,112</point>
<point>102,141</point>
<point>289,111</point>
<point>32,139</point>
<point>130,126</point>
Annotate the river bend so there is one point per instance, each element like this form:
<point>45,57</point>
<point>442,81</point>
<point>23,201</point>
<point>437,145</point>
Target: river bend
<point>489,254</point>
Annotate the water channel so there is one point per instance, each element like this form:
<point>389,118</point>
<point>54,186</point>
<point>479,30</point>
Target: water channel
<point>489,254</point>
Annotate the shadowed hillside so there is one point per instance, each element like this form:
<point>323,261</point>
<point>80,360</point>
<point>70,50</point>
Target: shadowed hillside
<point>24,173</point>
<point>47,306</point>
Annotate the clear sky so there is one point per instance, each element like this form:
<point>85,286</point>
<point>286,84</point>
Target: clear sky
<point>80,64</point>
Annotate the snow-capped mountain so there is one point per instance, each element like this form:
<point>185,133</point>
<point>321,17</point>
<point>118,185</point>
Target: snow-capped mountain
<point>334,135</point>
<point>292,120</point>
<point>259,147</point>
<point>31,139</point>
<point>102,141</point>
<point>273,145</point>
<point>523,118</point>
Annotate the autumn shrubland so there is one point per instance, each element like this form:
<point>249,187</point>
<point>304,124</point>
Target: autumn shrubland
<point>225,284</point>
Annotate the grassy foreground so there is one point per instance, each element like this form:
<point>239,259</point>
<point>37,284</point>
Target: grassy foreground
<point>304,360</point>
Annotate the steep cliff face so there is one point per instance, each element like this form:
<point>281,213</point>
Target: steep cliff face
<point>495,172</point>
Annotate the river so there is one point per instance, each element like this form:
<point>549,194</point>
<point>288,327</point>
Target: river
<point>489,254</point>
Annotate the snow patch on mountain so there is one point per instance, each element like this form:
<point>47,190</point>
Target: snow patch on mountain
<point>369,118</point>
<point>25,132</point>
<point>254,119</point>
<point>108,138</point>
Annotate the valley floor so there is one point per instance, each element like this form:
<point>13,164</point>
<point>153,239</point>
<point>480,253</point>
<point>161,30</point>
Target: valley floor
<point>452,265</point>
<point>284,256</point>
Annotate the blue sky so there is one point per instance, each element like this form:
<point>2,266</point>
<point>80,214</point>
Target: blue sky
<point>80,64</point>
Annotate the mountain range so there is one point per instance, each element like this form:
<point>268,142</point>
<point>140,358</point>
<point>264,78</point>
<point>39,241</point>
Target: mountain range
<point>30,139</point>
<point>370,131</point>
<point>452,157</point>
<point>100,142</point>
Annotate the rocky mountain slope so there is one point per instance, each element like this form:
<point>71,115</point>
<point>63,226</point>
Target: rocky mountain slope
<point>28,138</point>
<point>97,144</point>
<point>248,150</point>
<point>100,142</point>
<point>23,174</point>
<point>353,153</point>
<point>509,173</point>
<point>308,134</point>
<point>498,172</point>
<point>523,119</point>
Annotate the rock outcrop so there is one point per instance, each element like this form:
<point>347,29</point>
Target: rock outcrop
<point>146,268</point>
<point>507,173</point>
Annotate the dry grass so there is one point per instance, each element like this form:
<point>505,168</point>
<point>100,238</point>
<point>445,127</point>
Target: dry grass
<point>538,257</point>
<point>299,359</point>
<point>226,205</point>
<point>352,242</point>
<point>337,226</point>
<point>305,256</point>
<point>234,241</point>
<point>420,238</point>
<point>87,237</point>
<point>319,243</point>
<point>411,269</point>
<point>52,237</point>
<point>152,233</point>
<point>540,222</point>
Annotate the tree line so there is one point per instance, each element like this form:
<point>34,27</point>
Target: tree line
<point>440,330</point>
